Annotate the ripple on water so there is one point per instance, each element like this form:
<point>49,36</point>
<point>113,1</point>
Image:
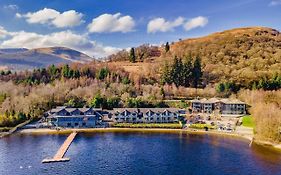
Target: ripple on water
<point>137,153</point>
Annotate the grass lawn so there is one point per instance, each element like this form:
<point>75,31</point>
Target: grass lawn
<point>247,121</point>
<point>149,125</point>
<point>201,126</point>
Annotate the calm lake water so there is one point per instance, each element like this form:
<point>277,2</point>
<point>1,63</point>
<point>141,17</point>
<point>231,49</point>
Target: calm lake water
<point>136,153</point>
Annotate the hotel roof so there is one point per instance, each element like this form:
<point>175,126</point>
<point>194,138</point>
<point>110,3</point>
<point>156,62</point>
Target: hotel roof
<point>216,100</point>
<point>144,110</point>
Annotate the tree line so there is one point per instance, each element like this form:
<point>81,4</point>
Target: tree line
<point>228,87</point>
<point>185,73</point>
<point>52,73</point>
<point>273,83</point>
<point>104,102</point>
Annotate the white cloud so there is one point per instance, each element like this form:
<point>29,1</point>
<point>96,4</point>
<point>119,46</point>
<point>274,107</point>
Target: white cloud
<point>69,18</point>
<point>3,32</point>
<point>199,21</point>
<point>42,16</point>
<point>162,25</point>
<point>11,7</point>
<point>108,23</point>
<point>64,38</point>
<point>275,3</point>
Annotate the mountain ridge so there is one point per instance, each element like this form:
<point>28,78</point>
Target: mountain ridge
<point>21,58</point>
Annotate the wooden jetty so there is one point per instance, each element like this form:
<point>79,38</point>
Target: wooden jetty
<point>61,152</point>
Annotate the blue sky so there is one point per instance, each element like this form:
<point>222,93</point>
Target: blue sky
<point>102,27</point>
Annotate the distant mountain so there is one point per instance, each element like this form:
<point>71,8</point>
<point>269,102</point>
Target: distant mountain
<point>12,50</point>
<point>21,58</point>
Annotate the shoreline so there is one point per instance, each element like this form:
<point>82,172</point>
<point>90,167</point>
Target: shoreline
<point>249,138</point>
<point>108,130</point>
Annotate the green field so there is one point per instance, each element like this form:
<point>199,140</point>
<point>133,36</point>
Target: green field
<point>149,125</point>
<point>202,126</point>
<point>247,121</point>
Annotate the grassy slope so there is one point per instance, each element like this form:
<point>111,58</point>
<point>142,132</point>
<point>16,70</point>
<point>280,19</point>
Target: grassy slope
<point>247,121</point>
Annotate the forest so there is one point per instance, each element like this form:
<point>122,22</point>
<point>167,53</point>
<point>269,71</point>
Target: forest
<point>27,94</point>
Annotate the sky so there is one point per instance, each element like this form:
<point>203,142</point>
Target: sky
<point>102,27</point>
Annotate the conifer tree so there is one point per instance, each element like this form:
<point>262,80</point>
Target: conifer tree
<point>166,74</point>
<point>167,47</point>
<point>66,71</point>
<point>187,72</point>
<point>132,55</point>
<point>176,72</point>
<point>197,72</point>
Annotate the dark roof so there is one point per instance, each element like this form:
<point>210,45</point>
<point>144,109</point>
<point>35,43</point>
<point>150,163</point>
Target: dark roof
<point>100,112</point>
<point>145,110</point>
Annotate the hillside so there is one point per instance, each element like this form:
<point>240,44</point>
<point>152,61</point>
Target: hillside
<point>20,58</point>
<point>242,55</point>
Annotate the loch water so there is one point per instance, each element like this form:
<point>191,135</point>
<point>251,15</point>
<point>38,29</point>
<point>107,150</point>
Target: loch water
<point>137,154</point>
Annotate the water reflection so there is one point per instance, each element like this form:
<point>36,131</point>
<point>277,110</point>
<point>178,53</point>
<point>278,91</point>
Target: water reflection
<point>137,153</point>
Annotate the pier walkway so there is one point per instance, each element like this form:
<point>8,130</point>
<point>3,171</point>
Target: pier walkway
<point>61,152</point>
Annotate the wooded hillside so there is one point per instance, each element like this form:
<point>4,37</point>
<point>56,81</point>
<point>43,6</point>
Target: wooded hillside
<point>243,55</point>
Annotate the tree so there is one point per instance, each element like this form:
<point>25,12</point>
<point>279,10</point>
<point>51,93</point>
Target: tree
<point>176,73</point>
<point>187,72</point>
<point>103,73</point>
<point>166,74</point>
<point>66,71</point>
<point>98,101</point>
<point>86,72</point>
<point>75,102</point>
<point>167,47</point>
<point>126,80</point>
<point>143,52</point>
<point>132,55</point>
<point>52,70</point>
<point>162,93</point>
<point>254,86</point>
<point>220,87</point>
<point>113,102</point>
<point>133,103</point>
<point>197,72</point>
<point>76,74</point>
